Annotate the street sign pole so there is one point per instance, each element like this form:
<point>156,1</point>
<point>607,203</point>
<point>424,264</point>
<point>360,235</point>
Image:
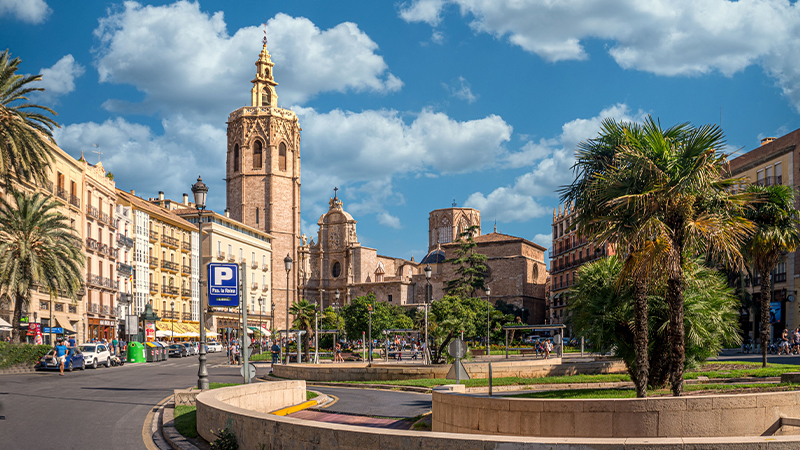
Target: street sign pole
<point>245,337</point>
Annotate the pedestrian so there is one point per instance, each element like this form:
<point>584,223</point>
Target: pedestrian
<point>72,342</point>
<point>115,345</point>
<point>338,356</point>
<point>236,353</point>
<point>229,348</point>
<point>276,352</point>
<point>548,347</point>
<point>61,355</point>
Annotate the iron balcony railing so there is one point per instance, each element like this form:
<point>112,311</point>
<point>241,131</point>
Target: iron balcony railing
<point>168,265</point>
<point>125,298</point>
<point>124,269</point>
<point>61,192</point>
<point>186,246</point>
<point>187,270</point>
<point>105,218</point>
<point>153,287</point>
<point>153,261</point>
<point>186,292</point>
<point>187,316</point>
<point>75,201</point>
<point>91,211</point>
<point>169,290</point>
<point>153,235</point>
<point>125,240</point>
<point>92,244</point>
<point>169,241</point>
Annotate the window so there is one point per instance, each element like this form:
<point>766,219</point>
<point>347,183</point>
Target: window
<point>778,174</point>
<point>219,247</point>
<point>445,232</point>
<point>258,151</point>
<point>241,254</point>
<point>336,270</point>
<point>256,216</point>
<point>282,156</point>
<point>264,260</point>
<point>236,158</point>
<point>88,230</point>
<point>253,258</point>
<point>390,298</point>
<point>760,177</point>
<point>230,250</point>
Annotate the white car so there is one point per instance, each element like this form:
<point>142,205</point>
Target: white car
<point>213,347</point>
<point>96,354</point>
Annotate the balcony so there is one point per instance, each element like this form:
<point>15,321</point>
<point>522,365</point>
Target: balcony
<point>153,262</point>
<point>124,270</point>
<point>169,266</point>
<point>231,258</point>
<point>47,185</point>
<point>92,245</point>
<point>153,236</point>
<point>61,192</point>
<point>186,270</point>
<point>265,288</point>
<point>221,256</point>
<point>92,212</point>
<point>74,201</point>
<point>265,268</point>
<point>105,218</point>
<point>254,287</point>
<point>254,265</point>
<point>125,298</point>
<point>114,223</point>
<point>169,241</point>
<point>169,290</point>
<point>153,288</point>
<point>186,247</point>
<point>106,310</point>
<point>186,316</point>
<point>94,280</point>
<point>125,240</point>
<point>186,292</point>
<point>93,308</point>
<point>170,314</point>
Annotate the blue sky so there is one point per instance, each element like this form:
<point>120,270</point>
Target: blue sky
<point>404,106</point>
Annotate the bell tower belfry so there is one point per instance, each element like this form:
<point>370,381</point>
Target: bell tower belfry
<point>263,176</point>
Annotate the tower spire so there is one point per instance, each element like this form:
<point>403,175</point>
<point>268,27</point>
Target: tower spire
<point>263,92</point>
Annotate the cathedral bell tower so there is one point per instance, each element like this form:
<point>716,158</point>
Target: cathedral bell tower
<point>263,176</point>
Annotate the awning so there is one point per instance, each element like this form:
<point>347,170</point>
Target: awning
<point>64,323</point>
<point>261,330</point>
<point>4,326</point>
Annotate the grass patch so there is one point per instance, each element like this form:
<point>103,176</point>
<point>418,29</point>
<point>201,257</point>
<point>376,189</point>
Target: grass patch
<point>310,395</point>
<point>186,420</point>
<point>631,393</point>
<point>738,369</point>
<point>213,385</point>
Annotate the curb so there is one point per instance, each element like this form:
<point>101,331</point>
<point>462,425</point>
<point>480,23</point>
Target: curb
<point>19,368</point>
<point>169,432</point>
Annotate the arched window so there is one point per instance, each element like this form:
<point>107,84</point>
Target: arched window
<point>445,232</point>
<point>236,158</point>
<point>257,154</point>
<point>282,156</point>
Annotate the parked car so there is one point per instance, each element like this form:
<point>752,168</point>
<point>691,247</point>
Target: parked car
<point>190,348</point>
<point>214,347</point>
<point>178,351</point>
<point>96,354</point>
<point>75,360</point>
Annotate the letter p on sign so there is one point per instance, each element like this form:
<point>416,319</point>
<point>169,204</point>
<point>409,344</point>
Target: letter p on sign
<point>222,274</point>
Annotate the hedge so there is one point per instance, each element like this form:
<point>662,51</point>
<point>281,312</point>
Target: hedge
<point>14,354</point>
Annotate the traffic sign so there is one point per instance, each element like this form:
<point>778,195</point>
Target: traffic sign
<point>252,370</point>
<point>223,284</point>
<point>457,348</point>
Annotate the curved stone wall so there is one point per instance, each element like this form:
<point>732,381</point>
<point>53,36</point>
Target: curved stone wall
<point>386,372</point>
<point>700,416</point>
<point>259,430</point>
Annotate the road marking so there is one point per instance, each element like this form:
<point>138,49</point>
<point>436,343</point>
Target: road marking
<point>293,409</point>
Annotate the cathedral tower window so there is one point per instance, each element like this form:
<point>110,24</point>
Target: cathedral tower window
<point>257,154</point>
<point>256,216</point>
<point>445,232</point>
<point>336,270</point>
<point>282,156</point>
<point>236,158</point>
<point>265,96</point>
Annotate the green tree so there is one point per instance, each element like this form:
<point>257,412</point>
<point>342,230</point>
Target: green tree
<point>328,321</point>
<point>25,129</point>
<point>303,312</point>
<point>356,317</point>
<point>603,312</point>
<point>37,247</point>
<point>775,217</point>
<point>674,179</point>
<point>450,316</point>
<point>470,266</point>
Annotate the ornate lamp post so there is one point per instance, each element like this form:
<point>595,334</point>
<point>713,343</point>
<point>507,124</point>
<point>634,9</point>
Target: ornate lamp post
<point>488,322</point>
<point>428,272</point>
<point>172,316</point>
<point>287,262</point>
<point>260,324</point>
<point>199,190</point>
<point>336,310</point>
<point>50,321</point>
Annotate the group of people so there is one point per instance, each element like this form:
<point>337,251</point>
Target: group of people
<point>790,341</point>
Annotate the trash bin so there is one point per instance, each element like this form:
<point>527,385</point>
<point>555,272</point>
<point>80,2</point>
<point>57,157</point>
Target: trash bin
<point>151,352</point>
<point>162,352</point>
<point>136,352</point>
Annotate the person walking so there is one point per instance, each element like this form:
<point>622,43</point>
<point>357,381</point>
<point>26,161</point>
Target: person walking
<point>276,351</point>
<point>61,355</point>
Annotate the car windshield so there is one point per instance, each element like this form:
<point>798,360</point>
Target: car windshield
<point>88,348</point>
<point>174,346</point>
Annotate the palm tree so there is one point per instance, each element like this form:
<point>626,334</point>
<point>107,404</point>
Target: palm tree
<point>25,130</point>
<point>37,247</point>
<point>674,182</point>
<point>776,218</point>
<point>303,313</point>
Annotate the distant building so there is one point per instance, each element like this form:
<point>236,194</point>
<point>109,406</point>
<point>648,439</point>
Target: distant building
<point>774,162</point>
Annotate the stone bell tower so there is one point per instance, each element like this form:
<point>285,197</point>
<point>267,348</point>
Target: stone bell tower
<point>263,176</point>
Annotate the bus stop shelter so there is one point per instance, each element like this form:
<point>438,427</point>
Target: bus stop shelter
<point>545,327</point>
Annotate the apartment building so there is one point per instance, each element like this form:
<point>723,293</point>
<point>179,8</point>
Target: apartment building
<point>165,264</point>
<point>124,245</point>
<point>569,252</point>
<point>772,163</point>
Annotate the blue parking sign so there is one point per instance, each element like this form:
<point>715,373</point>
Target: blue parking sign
<point>223,284</point>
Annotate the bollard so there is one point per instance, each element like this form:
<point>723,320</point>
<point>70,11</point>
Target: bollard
<point>581,346</point>
<point>490,379</point>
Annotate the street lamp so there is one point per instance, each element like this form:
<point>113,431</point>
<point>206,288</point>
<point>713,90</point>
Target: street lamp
<point>336,310</point>
<point>260,324</point>
<point>199,190</point>
<point>55,282</point>
<point>172,316</point>
<point>488,306</point>
<point>428,272</point>
<point>287,262</point>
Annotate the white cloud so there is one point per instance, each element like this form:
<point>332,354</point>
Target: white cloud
<point>680,37</point>
<point>428,11</point>
<point>389,220</point>
<point>437,37</point>
<point>31,11</point>
<point>461,89</point>
<point>545,240</point>
<point>59,79</point>
<point>552,160</point>
<point>150,163</point>
<point>182,57</point>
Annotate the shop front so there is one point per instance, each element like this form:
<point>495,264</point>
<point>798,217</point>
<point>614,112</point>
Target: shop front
<point>101,329</point>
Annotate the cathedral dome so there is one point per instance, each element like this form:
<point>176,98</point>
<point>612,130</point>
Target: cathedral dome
<point>434,257</point>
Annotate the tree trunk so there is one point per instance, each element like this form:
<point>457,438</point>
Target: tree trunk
<point>16,336</point>
<point>766,289</point>
<point>640,338</point>
<point>307,352</point>
<point>442,347</point>
<point>678,356</point>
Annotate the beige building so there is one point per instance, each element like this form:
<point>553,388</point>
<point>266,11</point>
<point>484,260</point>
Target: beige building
<point>227,240</point>
<point>165,264</point>
<point>263,175</point>
<point>124,245</point>
<point>773,163</point>
<point>65,183</point>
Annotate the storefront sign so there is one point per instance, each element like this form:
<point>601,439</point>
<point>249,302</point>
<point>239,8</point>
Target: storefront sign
<point>54,330</point>
<point>132,324</point>
<point>150,331</point>
<point>106,323</point>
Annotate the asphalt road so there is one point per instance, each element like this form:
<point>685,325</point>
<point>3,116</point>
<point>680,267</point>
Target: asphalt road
<point>102,408</point>
<point>372,402</point>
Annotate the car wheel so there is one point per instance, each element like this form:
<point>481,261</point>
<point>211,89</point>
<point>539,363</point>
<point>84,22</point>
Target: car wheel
<point>69,369</point>
<point>108,362</point>
<point>94,364</point>
<point>83,365</point>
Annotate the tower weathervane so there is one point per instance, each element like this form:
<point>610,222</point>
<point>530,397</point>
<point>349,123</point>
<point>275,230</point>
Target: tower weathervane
<point>335,189</point>
<point>265,33</point>
<point>454,203</point>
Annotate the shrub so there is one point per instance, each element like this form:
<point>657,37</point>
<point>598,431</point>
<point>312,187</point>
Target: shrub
<point>14,354</point>
<point>226,440</point>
